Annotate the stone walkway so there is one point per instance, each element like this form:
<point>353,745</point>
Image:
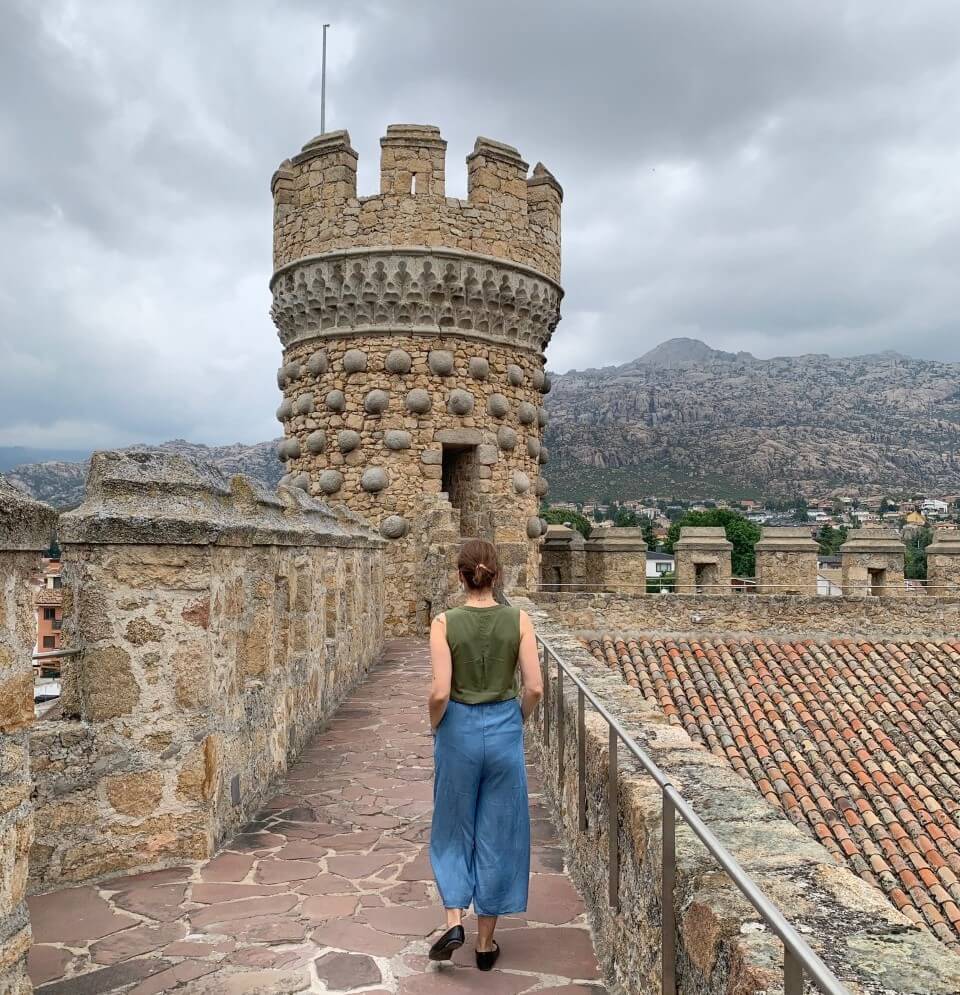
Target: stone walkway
<point>329,890</point>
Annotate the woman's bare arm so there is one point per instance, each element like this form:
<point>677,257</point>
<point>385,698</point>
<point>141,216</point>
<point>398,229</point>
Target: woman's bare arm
<point>529,667</point>
<point>442,666</point>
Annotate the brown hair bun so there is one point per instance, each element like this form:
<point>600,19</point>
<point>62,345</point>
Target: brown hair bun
<point>478,564</point>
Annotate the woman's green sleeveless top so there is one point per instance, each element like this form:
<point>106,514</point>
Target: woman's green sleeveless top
<point>484,644</point>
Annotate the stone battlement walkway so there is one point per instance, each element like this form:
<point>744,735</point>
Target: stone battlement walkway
<point>329,890</point>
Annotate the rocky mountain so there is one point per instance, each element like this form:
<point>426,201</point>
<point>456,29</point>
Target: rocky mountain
<point>688,420</point>
<point>61,483</point>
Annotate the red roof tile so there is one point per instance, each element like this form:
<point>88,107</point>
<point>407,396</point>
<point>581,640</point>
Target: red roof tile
<point>856,742</point>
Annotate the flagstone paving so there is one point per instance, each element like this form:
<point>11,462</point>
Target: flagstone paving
<point>329,889</point>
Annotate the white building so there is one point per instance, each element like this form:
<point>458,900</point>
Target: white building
<point>935,508</point>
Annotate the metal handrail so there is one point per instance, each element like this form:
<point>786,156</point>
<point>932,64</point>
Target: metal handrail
<point>56,654</point>
<point>750,587</point>
<point>798,958</point>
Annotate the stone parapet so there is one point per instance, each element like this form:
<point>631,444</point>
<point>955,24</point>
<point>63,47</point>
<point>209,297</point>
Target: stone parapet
<point>562,559</point>
<point>871,563</point>
<point>786,561</point>
<point>616,560</point>
<point>26,527</point>
<point>747,615</point>
<point>864,940</point>
<point>219,626</point>
<point>703,560</point>
<point>943,564</point>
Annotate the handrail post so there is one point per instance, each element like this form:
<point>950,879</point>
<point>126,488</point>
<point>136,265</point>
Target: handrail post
<point>792,974</point>
<point>546,696</point>
<point>581,760</point>
<point>560,730</point>
<point>613,805</point>
<point>668,880</point>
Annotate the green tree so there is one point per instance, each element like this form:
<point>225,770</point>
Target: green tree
<point>800,509</point>
<point>739,531</point>
<point>649,536</point>
<point>564,516</point>
<point>624,518</point>
<point>831,539</point>
<point>915,566</point>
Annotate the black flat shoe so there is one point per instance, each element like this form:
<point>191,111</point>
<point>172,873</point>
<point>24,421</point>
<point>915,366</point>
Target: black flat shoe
<point>444,947</point>
<point>487,958</point>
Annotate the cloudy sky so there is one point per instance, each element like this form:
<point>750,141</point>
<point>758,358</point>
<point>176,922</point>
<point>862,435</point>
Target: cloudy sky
<point>778,177</point>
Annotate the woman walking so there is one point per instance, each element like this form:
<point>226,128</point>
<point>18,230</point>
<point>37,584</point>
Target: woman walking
<point>480,838</point>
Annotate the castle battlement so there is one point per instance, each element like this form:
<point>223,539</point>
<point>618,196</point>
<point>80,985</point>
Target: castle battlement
<point>506,215</point>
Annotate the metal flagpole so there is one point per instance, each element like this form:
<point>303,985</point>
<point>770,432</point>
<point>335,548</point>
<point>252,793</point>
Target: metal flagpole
<point>323,84</point>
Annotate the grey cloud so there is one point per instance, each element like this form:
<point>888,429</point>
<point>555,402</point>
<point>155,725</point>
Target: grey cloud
<point>773,177</point>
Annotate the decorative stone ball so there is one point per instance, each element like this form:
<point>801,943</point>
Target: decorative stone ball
<point>318,362</point>
<point>393,527</point>
<point>301,480</point>
<point>330,481</point>
<point>541,487</point>
<point>348,440</point>
<point>543,526</point>
<point>397,438</point>
<point>285,410</point>
<point>533,527</point>
<point>398,361</point>
<point>547,384</point>
<point>440,362</point>
<point>304,404</point>
<point>542,419</point>
<point>282,377</point>
<point>316,442</point>
<point>374,479</point>
<point>354,361</point>
<point>460,402</point>
<point>537,378</point>
<point>498,406</point>
<point>544,455</point>
<point>514,375</point>
<point>376,402</point>
<point>292,370</point>
<point>526,413</point>
<point>506,437</point>
<point>479,368</point>
<point>533,447</point>
<point>288,449</point>
<point>336,400</point>
<point>521,482</point>
<point>418,401</point>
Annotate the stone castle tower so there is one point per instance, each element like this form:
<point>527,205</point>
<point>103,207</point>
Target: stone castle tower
<point>413,328</point>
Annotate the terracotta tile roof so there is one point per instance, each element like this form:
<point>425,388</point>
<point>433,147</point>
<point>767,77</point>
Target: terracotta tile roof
<point>858,742</point>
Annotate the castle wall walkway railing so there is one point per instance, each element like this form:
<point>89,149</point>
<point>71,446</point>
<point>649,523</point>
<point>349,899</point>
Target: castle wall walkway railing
<point>799,960</point>
<point>747,586</point>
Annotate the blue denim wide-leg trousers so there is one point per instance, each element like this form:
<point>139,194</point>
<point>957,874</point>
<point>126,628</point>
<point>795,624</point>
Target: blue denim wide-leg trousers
<point>480,838</point>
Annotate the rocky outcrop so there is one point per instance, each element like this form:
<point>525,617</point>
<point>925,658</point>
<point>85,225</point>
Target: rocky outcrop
<point>687,420</point>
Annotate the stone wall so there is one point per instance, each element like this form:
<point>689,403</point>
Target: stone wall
<point>616,560</point>
<point>872,561</point>
<point>864,940</point>
<point>413,328</point>
<point>943,564</point>
<point>220,624</point>
<point>703,560</point>
<point>26,528</point>
<point>786,561</point>
<point>908,618</point>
